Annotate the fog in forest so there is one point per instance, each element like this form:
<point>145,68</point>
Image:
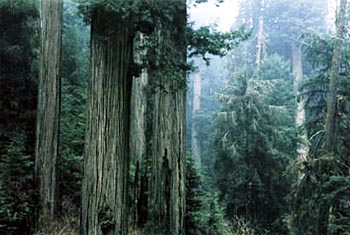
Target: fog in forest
<point>174,117</point>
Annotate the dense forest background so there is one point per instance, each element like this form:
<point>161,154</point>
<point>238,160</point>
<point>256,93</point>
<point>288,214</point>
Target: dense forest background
<point>124,117</point>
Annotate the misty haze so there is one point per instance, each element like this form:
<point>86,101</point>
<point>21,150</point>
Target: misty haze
<point>174,117</point>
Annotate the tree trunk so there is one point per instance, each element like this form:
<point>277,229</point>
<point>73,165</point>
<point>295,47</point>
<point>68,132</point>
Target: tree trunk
<point>138,104</point>
<point>138,140</point>
<point>104,191</point>
<point>195,144</point>
<point>260,44</point>
<point>330,135</point>
<point>332,91</point>
<point>167,176</point>
<point>297,67</point>
<point>167,182</point>
<point>47,129</point>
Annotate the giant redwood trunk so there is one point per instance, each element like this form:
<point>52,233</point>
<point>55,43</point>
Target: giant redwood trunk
<point>167,179</point>
<point>138,138</point>
<point>138,103</point>
<point>104,190</point>
<point>167,186</point>
<point>47,127</point>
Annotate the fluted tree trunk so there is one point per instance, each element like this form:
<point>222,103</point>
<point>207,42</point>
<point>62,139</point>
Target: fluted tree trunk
<point>106,157</point>
<point>138,137</point>
<point>167,179</point>
<point>47,127</point>
<point>167,182</point>
<point>138,103</point>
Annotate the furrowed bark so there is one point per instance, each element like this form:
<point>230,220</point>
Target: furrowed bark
<point>167,177</point>
<point>167,183</point>
<point>104,191</point>
<point>138,141</point>
<point>47,127</point>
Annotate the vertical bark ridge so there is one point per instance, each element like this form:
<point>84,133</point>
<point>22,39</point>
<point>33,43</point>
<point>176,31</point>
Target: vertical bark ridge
<point>106,166</point>
<point>138,132</point>
<point>167,187</point>
<point>167,180</point>
<point>47,129</point>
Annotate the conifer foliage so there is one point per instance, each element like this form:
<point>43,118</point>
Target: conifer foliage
<point>18,91</point>
<point>16,209</point>
<point>255,142</point>
<point>320,203</point>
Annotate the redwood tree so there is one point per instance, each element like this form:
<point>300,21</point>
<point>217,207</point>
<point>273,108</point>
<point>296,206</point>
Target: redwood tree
<point>106,163</point>
<point>167,182</point>
<point>47,130</point>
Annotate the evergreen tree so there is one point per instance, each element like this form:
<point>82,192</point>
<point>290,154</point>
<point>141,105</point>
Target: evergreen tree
<point>255,142</point>
<point>165,24</point>
<point>18,93</point>
<point>319,203</point>
<point>17,202</point>
<point>194,200</point>
<point>104,205</point>
<point>204,214</point>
